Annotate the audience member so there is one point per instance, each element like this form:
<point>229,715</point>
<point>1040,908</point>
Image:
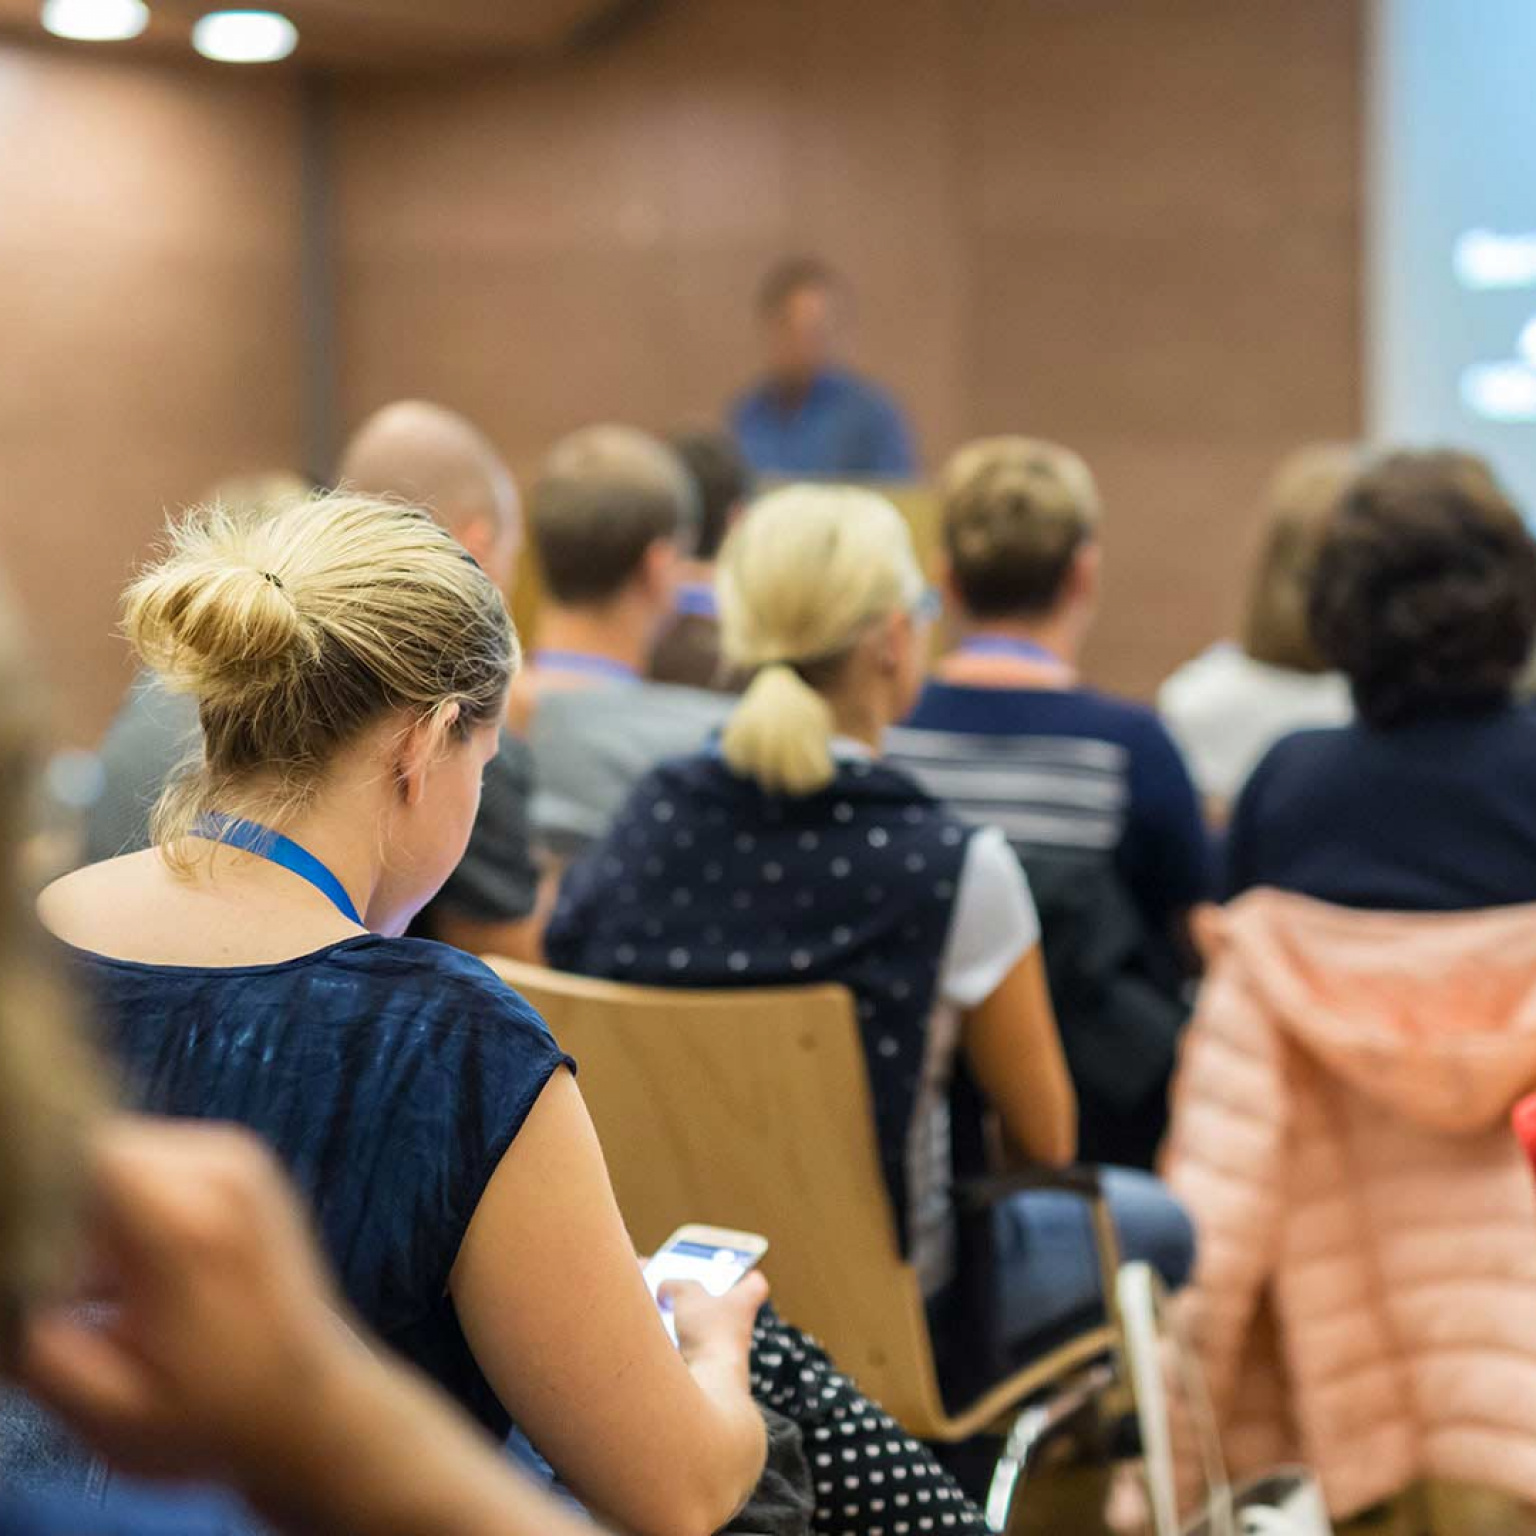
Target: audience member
<point>1089,789</point>
<point>613,516</point>
<point>687,651</point>
<point>1228,706</point>
<point>425,456</point>
<point>209,1261</point>
<point>790,853</point>
<point>1341,1117</point>
<point>1424,596</point>
<point>155,731</point>
<point>351,669</point>
<point>809,416</point>
<point>429,457</point>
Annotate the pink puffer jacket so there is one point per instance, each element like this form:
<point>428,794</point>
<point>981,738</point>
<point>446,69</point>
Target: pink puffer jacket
<point>1366,1220</point>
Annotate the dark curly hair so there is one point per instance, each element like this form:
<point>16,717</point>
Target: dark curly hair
<point>1424,591</point>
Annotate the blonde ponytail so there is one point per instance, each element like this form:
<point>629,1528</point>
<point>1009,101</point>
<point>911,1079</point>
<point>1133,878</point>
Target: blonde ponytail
<point>781,734</point>
<point>801,578</point>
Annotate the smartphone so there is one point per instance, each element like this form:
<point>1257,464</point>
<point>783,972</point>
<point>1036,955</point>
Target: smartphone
<point>1525,1127</point>
<point>714,1257</point>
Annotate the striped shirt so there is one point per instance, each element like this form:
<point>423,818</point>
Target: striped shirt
<point>1066,773</point>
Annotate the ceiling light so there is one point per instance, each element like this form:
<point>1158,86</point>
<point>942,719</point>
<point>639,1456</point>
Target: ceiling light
<point>245,37</point>
<point>95,21</point>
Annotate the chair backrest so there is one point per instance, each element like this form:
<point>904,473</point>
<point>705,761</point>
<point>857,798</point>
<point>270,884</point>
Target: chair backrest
<point>752,1110</point>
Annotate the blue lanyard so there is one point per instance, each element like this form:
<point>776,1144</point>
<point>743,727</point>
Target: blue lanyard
<point>1006,645</point>
<point>696,600</point>
<point>252,837</point>
<point>580,661</point>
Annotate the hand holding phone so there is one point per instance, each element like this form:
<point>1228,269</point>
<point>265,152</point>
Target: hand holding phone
<point>714,1258</point>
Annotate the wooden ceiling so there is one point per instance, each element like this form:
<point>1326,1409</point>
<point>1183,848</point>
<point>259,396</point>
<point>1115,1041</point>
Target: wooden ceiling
<point>375,33</point>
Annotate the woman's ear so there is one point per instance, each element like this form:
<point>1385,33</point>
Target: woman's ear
<point>419,748</point>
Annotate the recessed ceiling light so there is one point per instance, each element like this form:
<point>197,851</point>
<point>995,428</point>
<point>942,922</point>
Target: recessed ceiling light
<point>245,37</point>
<point>95,21</point>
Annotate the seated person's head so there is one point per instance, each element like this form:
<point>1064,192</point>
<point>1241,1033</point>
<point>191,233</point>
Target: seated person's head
<point>1301,498</point>
<point>348,659</point>
<point>822,597</point>
<point>50,1091</point>
<point>723,480</point>
<point>1020,531</point>
<point>612,515</point>
<point>1424,590</point>
<point>422,454</point>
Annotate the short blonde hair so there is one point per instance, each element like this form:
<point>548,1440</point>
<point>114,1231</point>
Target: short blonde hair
<point>1016,512</point>
<point>1300,502</point>
<point>801,578</point>
<point>297,631</point>
<point>52,1088</point>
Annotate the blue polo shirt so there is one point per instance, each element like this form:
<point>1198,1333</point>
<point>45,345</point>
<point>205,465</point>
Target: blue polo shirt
<point>845,426</point>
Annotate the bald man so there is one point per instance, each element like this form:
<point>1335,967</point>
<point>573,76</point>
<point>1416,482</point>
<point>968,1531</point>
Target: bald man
<point>429,457</point>
<point>421,453</point>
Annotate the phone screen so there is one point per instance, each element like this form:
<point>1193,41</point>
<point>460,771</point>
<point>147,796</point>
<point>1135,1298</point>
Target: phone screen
<point>716,1268</point>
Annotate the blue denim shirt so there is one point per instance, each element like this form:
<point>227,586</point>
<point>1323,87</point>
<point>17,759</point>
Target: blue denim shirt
<point>845,426</point>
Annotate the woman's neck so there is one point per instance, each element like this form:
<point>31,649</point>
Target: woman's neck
<point>346,842</point>
<point>860,715</point>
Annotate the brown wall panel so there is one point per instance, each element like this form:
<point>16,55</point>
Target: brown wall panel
<point>149,304</point>
<point>1131,223</point>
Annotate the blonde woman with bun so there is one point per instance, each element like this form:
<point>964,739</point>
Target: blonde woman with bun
<point>350,665</point>
<point>788,852</point>
<point>223,1358</point>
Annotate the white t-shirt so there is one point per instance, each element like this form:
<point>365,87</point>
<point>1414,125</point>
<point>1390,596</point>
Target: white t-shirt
<point>1225,710</point>
<point>994,922</point>
<point>992,926</point>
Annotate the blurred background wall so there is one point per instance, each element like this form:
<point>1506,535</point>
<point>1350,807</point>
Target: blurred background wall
<point>150,331</point>
<point>1130,224</point>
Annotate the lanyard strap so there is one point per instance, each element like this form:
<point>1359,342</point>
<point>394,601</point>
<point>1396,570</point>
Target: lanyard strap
<point>696,600</point>
<point>1007,646</point>
<point>252,837</point>
<point>580,661</point>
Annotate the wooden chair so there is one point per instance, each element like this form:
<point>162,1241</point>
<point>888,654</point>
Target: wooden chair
<point>751,1109</point>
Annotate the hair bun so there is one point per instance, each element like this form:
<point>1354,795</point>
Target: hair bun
<point>215,618</point>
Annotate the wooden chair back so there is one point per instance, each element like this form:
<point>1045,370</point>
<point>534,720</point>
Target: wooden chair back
<point>751,1109</point>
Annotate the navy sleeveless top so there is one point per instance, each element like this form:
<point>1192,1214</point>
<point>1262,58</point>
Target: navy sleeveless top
<point>168,1514</point>
<point>705,880</point>
<point>389,1076</point>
